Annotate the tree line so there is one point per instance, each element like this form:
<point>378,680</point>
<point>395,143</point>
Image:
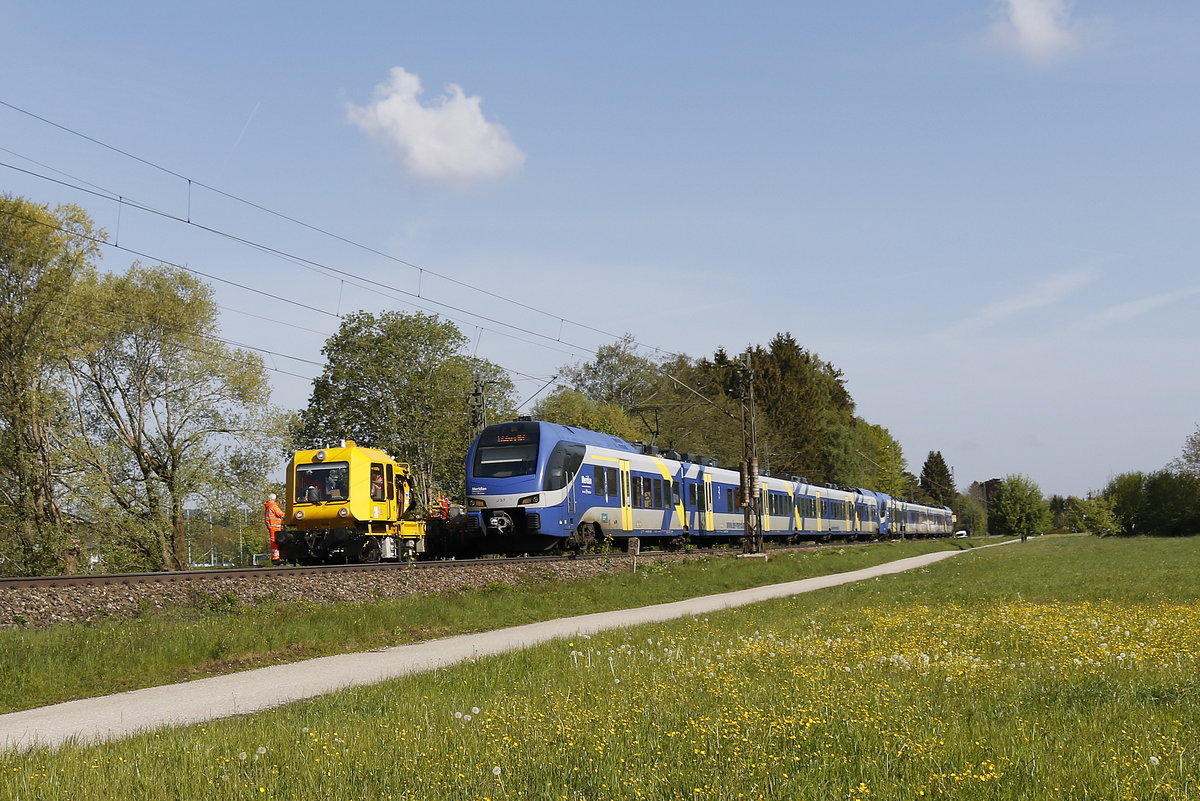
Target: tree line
<point>1162,503</point>
<point>123,413</point>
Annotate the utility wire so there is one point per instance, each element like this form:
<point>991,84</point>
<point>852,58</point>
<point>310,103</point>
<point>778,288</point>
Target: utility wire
<point>302,262</point>
<point>209,337</point>
<point>192,182</point>
<point>355,280</point>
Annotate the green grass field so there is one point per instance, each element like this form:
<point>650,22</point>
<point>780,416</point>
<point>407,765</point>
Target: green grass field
<point>44,666</point>
<point>1060,668</point>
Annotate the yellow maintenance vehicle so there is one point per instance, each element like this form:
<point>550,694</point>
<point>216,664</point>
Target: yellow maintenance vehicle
<point>349,504</point>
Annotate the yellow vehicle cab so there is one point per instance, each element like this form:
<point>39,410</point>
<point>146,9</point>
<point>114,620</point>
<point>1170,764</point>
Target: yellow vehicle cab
<point>347,504</point>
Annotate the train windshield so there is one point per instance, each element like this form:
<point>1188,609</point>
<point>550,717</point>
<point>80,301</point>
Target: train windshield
<point>326,481</point>
<point>506,450</point>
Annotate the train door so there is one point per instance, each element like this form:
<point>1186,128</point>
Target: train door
<point>820,510</point>
<point>626,498</point>
<point>708,504</point>
<point>390,486</point>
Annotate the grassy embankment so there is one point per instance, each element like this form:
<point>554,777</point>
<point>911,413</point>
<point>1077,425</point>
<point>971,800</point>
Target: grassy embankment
<point>1061,668</point>
<point>43,666</point>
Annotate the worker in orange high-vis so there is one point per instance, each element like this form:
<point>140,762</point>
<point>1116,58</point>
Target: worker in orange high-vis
<point>273,517</point>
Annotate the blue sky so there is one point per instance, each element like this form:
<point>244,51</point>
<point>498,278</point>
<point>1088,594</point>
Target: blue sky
<point>982,211</point>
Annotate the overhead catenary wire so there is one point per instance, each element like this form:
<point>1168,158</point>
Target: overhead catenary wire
<point>376,287</point>
<point>121,201</point>
<point>191,182</point>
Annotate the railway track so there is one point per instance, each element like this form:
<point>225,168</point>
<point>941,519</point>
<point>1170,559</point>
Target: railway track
<point>187,576</point>
<point>163,577</point>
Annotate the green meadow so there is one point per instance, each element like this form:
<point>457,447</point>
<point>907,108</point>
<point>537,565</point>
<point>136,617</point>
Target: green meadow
<point>218,635</point>
<point>1061,668</point>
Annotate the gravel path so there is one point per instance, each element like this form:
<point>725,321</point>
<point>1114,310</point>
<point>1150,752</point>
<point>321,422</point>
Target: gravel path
<point>116,716</point>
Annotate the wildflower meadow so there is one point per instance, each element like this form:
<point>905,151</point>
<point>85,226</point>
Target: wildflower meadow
<point>1060,668</point>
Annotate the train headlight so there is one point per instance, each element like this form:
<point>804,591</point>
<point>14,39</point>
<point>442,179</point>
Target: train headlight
<point>299,514</point>
<point>343,512</point>
<point>319,456</point>
<point>476,502</point>
<point>528,499</point>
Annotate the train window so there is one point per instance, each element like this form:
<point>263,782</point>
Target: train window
<point>702,500</point>
<point>729,501</point>
<point>505,461</point>
<point>692,495</point>
<point>636,483</point>
<point>376,481</point>
<point>390,483</point>
<point>675,495</point>
<point>562,465</point>
<point>658,493</point>
<point>605,481</point>
<point>326,481</point>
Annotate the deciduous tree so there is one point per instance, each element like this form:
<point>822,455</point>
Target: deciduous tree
<point>571,407</point>
<point>400,382</point>
<point>164,410</point>
<point>1189,460</point>
<point>43,254</point>
<point>1018,508</point>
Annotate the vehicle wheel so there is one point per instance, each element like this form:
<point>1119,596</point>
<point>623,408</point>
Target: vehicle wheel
<point>368,550</point>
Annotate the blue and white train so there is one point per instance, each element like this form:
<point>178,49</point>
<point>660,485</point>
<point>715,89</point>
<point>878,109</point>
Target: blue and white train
<point>534,485</point>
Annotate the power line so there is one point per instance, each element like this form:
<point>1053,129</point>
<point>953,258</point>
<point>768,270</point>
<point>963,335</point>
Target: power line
<point>300,261</point>
<point>317,229</point>
<point>102,242</point>
<point>353,279</point>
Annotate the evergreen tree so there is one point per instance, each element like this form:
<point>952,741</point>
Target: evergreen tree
<point>936,480</point>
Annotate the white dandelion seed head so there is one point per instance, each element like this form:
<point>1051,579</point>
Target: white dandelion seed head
<point>262,749</point>
<point>474,710</point>
<point>1153,760</point>
<point>458,715</point>
<point>466,718</point>
<point>496,771</point>
<point>242,755</point>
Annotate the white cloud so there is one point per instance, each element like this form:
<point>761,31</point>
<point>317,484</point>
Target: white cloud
<point>1040,30</point>
<point>1132,309</point>
<point>1046,292</point>
<point>447,141</point>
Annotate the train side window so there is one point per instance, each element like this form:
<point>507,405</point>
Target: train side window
<point>701,501</point>
<point>562,465</point>
<point>605,481</point>
<point>729,507</point>
<point>692,495</point>
<point>658,493</point>
<point>376,481</point>
<point>390,483</point>
<point>675,494</point>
